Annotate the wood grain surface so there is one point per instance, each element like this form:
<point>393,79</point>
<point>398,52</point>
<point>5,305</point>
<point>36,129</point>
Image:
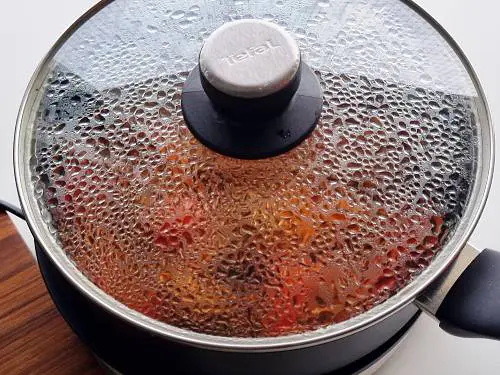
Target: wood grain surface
<point>34,338</point>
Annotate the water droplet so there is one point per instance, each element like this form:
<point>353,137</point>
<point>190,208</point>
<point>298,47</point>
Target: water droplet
<point>185,23</point>
<point>152,29</point>
<point>115,93</point>
<point>177,15</point>
<point>76,99</point>
<point>425,78</point>
<point>59,128</point>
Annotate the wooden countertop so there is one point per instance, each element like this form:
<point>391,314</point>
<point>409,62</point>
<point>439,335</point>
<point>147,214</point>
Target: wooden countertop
<point>34,338</point>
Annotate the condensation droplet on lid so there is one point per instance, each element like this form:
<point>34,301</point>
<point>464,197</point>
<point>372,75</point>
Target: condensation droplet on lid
<point>425,78</point>
<point>177,15</point>
<point>115,93</point>
<point>76,99</point>
<point>185,23</point>
<point>152,29</point>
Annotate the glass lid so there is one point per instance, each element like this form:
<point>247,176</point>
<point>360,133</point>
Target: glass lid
<point>382,153</point>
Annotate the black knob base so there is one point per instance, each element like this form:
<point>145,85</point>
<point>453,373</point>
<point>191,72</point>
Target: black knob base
<point>252,137</point>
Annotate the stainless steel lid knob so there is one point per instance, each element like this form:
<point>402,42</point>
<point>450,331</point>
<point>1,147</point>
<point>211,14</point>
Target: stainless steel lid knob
<point>251,96</point>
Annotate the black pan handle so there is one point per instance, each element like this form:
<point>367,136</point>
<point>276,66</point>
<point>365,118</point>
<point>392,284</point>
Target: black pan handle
<point>466,298</point>
<point>8,207</point>
<point>472,306</point>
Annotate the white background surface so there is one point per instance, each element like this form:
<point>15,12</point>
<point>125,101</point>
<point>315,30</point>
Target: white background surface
<point>29,28</point>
